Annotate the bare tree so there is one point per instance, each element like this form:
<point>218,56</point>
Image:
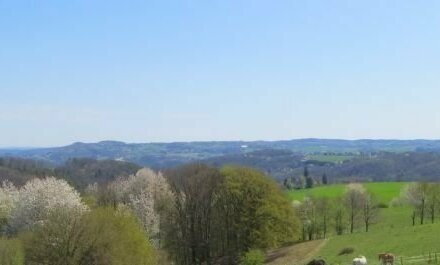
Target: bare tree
<point>353,201</point>
<point>323,208</point>
<point>417,195</point>
<point>433,200</point>
<point>339,216</point>
<point>370,210</point>
<point>190,230</point>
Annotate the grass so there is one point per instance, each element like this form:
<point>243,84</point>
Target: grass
<point>330,158</point>
<point>393,231</point>
<point>401,240</point>
<point>383,191</point>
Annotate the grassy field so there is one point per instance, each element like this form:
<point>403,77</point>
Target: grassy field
<point>330,158</point>
<point>402,240</point>
<point>384,191</point>
<point>393,232</point>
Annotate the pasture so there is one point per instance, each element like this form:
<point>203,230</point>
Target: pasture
<point>330,158</point>
<point>393,231</point>
<point>401,239</point>
<point>384,191</point>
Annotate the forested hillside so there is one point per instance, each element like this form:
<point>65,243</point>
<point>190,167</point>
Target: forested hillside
<point>84,171</point>
<point>165,155</point>
<point>20,170</point>
<point>78,171</point>
<point>382,166</point>
<point>279,164</point>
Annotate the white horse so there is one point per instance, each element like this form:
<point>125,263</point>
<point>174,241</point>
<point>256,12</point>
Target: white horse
<point>361,260</point>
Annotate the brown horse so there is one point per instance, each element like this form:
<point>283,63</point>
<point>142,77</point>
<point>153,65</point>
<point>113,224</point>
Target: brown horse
<point>386,258</point>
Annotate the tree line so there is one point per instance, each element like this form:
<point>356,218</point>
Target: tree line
<point>355,209</point>
<point>193,214</point>
<point>424,198</point>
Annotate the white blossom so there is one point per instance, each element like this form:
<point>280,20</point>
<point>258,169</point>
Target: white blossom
<point>8,198</point>
<point>145,193</point>
<point>38,198</point>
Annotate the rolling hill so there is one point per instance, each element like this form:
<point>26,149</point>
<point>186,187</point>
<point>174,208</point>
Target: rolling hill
<point>163,155</point>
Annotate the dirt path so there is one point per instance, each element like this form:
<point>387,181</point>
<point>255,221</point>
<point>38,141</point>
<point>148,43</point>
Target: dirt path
<point>298,254</point>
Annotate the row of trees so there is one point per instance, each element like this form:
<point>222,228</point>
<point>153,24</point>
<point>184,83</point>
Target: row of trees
<point>359,208</point>
<point>321,216</point>
<point>306,181</point>
<point>195,213</point>
<point>424,197</point>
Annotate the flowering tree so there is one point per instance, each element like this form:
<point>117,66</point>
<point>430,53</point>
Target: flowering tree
<point>38,198</point>
<point>146,194</point>
<point>8,198</point>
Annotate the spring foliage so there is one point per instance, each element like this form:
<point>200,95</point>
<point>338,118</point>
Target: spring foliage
<point>146,193</point>
<point>38,198</point>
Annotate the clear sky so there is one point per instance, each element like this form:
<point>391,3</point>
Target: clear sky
<point>147,71</point>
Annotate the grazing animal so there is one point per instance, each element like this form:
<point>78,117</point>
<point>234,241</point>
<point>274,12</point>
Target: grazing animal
<point>386,258</point>
<point>361,260</point>
<point>317,262</point>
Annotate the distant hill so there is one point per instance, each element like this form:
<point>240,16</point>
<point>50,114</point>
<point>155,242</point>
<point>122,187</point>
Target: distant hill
<point>78,171</point>
<point>83,171</point>
<point>19,170</point>
<point>280,164</point>
<point>380,166</point>
<point>164,155</point>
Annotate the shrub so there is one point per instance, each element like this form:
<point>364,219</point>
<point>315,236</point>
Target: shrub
<point>11,252</point>
<point>382,205</point>
<point>100,236</point>
<point>346,251</point>
<point>253,257</point>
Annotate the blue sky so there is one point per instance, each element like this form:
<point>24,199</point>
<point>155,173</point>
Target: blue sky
<point>148,71</point>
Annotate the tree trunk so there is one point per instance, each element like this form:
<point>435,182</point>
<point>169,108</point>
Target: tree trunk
<point>352,222</point>
<point>413,216</point>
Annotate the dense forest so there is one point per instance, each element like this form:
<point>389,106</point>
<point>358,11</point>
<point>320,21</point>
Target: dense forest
<point>279,164</point>
<point>381,166</point>
<point>191,215</point>
<point>79,172</point>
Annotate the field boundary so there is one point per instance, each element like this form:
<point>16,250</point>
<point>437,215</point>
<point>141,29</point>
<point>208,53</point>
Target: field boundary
<point>430,258</point>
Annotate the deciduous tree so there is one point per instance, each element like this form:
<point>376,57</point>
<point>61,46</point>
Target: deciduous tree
<point>38,198</point>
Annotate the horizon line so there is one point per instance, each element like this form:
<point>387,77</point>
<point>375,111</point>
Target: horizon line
<point>218,141</point>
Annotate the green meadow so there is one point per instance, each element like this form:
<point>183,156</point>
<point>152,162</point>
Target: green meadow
<point>392,232</point>
<point>330,158</point>
<point>383,191</point>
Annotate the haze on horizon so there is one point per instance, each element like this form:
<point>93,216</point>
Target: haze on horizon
<point>167,71</point>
